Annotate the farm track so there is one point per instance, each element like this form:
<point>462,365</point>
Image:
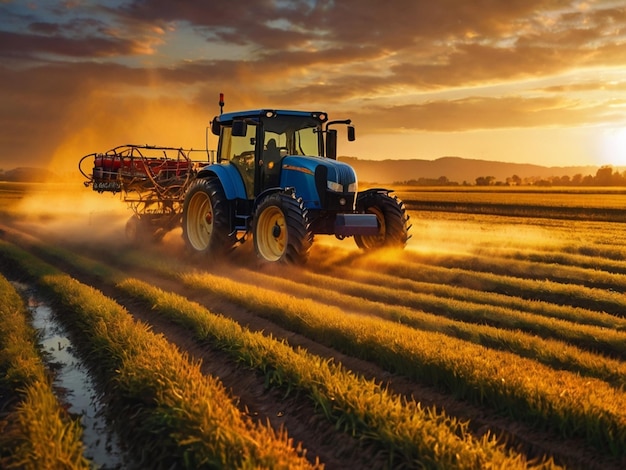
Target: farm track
<point>296,417</point>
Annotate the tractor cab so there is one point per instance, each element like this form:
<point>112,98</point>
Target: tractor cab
<point>257,142</point>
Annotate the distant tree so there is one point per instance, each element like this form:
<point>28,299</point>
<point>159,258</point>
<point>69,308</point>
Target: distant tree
<point>618,179</point>
<point>485,180</point>
<point>604,176</point>
<point>514,180</point>
<point>587,180</point>
<point>577,179</point>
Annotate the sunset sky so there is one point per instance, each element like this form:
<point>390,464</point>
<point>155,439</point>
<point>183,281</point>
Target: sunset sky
<point>529,81</point>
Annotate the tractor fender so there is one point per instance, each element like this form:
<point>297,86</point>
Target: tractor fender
<point>368,192</point>
<point>230,178</point>
<point>267,192</point>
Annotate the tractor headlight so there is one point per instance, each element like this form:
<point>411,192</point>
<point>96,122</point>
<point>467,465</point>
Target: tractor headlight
<point>336,187</point>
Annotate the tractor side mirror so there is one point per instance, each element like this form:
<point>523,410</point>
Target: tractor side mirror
<point>351,134</point>
<point>331,144</point>
<point>215,126</point>
<point>240,128</point>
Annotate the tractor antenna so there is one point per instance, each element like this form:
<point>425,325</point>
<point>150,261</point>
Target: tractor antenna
<point>221,103</point>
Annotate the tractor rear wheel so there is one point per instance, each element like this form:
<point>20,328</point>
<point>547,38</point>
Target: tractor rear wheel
<point>393,221</point>
<point>281,229</point>
<point>206,219</point>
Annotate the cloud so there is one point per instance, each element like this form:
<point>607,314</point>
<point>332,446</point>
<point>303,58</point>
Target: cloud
<point>477,113</point>
<point>443,66</point>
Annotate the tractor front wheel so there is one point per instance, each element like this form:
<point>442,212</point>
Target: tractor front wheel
<point>206,219</point>
<point>393,221</point>
<point>281,229</point>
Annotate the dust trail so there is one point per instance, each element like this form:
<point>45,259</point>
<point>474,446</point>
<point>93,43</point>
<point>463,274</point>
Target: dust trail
<point>469,237</point>
<point>73,214</point>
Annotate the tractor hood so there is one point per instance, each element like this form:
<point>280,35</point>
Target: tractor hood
<point>339,173</point>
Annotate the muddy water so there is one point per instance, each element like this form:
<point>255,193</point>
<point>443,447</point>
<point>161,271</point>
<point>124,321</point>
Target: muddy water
<point>75,386</point>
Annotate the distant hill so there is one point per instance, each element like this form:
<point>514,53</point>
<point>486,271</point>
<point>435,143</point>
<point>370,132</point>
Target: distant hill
<point>456,169</point>
<point>27,175</point>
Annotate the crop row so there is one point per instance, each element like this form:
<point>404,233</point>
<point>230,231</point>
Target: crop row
<point>520,387</point>
<point>590,276</point>
<point>496,327</point>
<point>410,434</point>
<point>574,213</point>
<point>470,233</point>
<point>173,414</point>
<point>361,407</point>
<point>444,314</point>
<point>584,328</point>
<point>423,270</point>
<point>35,430</point>
<point>433,283</point>
<point>562,258</point>
<point>595,199</point>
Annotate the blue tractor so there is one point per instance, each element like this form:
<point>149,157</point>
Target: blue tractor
<point>277,178</point>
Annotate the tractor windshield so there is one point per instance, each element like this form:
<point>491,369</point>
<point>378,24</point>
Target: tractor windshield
<point>294,135</point>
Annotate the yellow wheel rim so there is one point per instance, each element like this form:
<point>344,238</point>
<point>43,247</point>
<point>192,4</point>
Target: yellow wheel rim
<point>271,234</point>
<point>199,221</point>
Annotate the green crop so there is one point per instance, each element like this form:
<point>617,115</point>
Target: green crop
<point>422,437</point>
<point>162,405</point>
<point>521,387</point>
<point>35,431</point>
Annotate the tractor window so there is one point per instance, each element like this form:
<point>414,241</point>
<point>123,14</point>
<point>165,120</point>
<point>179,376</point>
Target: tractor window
<point>240,152</point>
<point>294,142</point>
<point>276,141</point>
<point>306,142</point>
<point>294,134</point>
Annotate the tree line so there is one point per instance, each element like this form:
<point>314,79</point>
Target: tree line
<point>605,176</point>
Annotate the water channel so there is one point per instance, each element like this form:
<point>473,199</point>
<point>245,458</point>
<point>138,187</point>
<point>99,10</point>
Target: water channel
<point>74,384</point>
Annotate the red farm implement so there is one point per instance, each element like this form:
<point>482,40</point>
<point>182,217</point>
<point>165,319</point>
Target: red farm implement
<point>152,180</point>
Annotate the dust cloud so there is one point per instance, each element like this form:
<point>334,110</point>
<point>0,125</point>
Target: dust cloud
<point>73,214</point>
<point>76,214</point>
<point>104,120</point>
<point>466,236</point>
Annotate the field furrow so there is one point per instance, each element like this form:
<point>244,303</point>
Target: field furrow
<point>496,338</point>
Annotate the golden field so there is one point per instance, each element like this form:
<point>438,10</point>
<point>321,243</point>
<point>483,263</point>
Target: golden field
<point>497,338</point>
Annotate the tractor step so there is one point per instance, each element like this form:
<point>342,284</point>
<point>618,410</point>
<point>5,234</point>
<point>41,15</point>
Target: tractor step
<point>356,224</point>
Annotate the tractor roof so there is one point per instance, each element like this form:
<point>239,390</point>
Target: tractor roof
<point>227,118</point>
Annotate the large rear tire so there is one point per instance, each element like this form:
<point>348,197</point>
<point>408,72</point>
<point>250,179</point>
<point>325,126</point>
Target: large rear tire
<point>206,227</point>
<point>393,221</point>
<point>282,230</point>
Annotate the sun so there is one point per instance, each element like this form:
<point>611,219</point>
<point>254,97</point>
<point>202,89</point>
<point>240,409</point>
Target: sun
<point>614,146</point>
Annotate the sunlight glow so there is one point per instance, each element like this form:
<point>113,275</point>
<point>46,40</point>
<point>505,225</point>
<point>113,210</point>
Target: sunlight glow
<point>613,146</point>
